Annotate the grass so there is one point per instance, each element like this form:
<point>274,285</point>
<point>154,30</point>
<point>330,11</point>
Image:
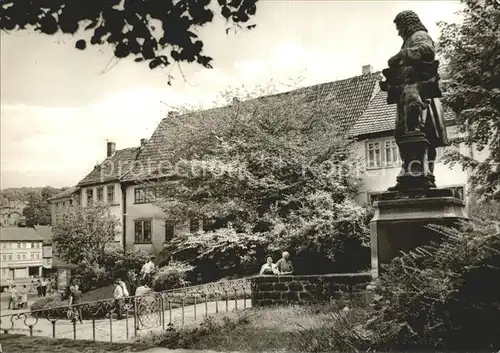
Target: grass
<point>23,344</point>
<point>293,328</point>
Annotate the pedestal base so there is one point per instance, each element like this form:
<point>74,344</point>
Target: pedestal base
<point>400,219</point>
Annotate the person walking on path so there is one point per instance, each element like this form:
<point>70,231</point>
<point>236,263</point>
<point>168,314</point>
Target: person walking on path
<point>118,295</point>
<point>23,303</point>
<point>12,297</point>
<point>44,287</point>
<point>39,288</point>
<point>75,298</point>
<point>140,292</point>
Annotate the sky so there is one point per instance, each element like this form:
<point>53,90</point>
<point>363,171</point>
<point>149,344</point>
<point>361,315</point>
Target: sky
<point>60,106</point>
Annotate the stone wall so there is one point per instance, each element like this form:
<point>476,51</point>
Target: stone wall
<point>279,290</point>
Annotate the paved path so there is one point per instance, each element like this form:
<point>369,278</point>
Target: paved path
<point>123,330</point>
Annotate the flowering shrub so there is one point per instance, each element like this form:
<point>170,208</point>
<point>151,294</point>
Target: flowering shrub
<point>172,276</point>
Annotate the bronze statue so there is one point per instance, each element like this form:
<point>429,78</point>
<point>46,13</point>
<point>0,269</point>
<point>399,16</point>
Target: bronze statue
<point>412,83</point>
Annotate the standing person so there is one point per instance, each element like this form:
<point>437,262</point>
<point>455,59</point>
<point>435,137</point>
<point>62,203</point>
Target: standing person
<point>38,287</point>
<point>140,292</point>
<point>44,287</point>
<point>24,297</point>
<point>12,297</point>
<point>148,268</point>
<point>118,295</point>
<point>284,265</point>
<point>75,298</point>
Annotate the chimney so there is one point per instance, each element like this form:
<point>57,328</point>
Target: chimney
<point>111,149</point>
<point>143,142</point>
<point>367,69</point>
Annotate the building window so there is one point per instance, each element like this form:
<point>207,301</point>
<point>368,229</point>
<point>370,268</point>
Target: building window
<point>140,196</point>
<point>34,245</point>
<point>24,256</point>
<point>37,256</point>
<point>32,256</point>
<point>4,257</point>
<point>143,231</point>
<point>90,197</point>
<point>169,230</point>
<point>71,202</point>
<point>194,225</point>
<point>100,194</point>
<point>373,155</point>
<point>391,153</point>
<point>18,257</point>
<point>10,257</point>
<point>111,194</point>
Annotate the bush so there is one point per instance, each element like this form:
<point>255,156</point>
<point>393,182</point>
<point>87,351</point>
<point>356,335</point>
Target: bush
<point>442,296</point>
<point>114,263</point>
<point>171,276</point>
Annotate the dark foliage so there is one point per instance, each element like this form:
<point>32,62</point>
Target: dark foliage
<point>157,31</point>
<point>470,51</point>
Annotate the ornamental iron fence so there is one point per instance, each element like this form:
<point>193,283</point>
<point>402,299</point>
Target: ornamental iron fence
<point>127,318</point>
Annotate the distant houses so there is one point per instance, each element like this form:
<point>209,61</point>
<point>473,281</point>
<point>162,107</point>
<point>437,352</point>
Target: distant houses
<point>21,253</point>
<point>361,112</point>
<point>11,213</point>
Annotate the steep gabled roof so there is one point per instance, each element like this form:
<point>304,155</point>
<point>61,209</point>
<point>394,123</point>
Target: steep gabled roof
<point>112,168</point>
<point>380,116</point>
<point>342,101</point>
<point>19,234</point>
<point>46,233</point>
<point>65,194</point>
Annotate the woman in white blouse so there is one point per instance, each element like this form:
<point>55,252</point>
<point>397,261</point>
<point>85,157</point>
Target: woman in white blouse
<point>269,268</point>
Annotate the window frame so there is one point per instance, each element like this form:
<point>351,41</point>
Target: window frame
<point>373,146</point>
<point>169,230</point>
<point>90,196</point>
<point>100,194</point>
<point>139,200</point>
<point>192,222</point>
<point>110,190</point>
<point>142,222</point>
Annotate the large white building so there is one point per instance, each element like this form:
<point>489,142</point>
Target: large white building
<point>356,104</point>
<point>21,253</point>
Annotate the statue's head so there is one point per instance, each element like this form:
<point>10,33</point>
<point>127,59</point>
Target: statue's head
<point>407,22</point>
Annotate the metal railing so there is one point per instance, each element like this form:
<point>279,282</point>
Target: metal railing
<point>125,319</point>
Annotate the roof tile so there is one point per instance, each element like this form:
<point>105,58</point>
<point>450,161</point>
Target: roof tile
<point>343,101</point>
<point>19,234</point>
<point>112,168</point>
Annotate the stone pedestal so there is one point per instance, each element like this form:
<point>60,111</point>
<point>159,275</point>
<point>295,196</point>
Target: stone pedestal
<point>400,219</point>
<point>413,147</point>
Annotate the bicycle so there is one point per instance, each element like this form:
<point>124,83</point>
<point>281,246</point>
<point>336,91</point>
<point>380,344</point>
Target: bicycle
<point>73,314</point>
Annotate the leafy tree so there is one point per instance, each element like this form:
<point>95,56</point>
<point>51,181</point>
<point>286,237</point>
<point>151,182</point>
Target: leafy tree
<point>272,168</point>
<point>82,235</point>
<point>157,31</point>
<point>37,212</point>
<point>470,51</point>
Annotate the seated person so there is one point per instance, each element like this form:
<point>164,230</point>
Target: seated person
<point>268,268</point>
<point>284,265</point>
